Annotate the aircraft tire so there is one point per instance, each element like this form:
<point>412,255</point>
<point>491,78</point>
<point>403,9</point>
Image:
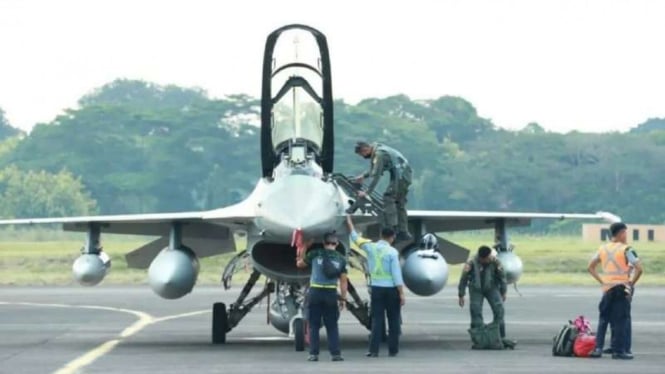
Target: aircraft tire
<point>299,334</point>
<point>220,323</point>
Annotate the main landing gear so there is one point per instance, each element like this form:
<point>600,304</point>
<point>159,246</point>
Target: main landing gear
<point>223,321</point>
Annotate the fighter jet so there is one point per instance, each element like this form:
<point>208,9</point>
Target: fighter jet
<point>297,196</point>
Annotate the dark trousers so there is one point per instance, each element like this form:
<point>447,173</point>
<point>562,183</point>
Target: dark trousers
<point>614,308</point>
<point>493,297</point>
<point>323,304</point>
<point>394,206</point>
<point>385,301</point>
<point>602,330</point>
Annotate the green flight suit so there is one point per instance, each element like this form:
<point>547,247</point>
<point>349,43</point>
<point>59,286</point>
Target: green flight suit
<point>484,282</point>
<point>384,159</point>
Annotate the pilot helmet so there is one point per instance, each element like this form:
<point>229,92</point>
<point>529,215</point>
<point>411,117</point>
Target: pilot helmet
<point>429,242</point>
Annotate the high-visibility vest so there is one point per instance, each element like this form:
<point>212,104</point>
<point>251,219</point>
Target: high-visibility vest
<point>377,252</point>
<point>378,272</point>
<point>616,269</point>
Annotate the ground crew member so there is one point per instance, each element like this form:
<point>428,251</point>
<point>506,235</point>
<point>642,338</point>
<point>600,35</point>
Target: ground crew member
<point>322,295</point>
<point>603,323</point>
<point>387,288</point>
<point>384,159</point>
<point>486,279</point>
<point>615,259</point>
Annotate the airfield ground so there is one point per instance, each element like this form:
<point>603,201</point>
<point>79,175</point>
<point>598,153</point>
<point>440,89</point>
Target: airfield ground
<point>126,330</point>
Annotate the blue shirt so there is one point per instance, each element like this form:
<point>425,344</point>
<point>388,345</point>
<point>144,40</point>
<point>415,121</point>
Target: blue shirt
<point>383,262</point>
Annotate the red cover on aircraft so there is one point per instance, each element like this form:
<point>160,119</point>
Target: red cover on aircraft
<point>584,345</point>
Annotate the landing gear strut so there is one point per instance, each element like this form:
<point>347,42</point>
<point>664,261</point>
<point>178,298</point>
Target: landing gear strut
<point>500,236</point>
<point>223,322</point>
<point>359,308</point>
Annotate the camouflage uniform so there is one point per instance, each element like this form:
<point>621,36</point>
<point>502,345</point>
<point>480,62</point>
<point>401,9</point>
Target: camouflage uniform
<point>384,159</point>
<point>484,281</point>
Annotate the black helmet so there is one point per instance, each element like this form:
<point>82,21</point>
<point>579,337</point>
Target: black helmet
<point>429,242</point>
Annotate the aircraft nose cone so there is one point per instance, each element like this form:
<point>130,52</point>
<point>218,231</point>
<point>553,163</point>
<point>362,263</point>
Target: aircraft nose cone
<point>299,201</point>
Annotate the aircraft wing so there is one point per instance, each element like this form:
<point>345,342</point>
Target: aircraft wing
<point>151,218</point>
<point>206,232</point>
<point>437,221</point>
<point>450,220</point>
<point>148,224</point>
<point>445,220</point>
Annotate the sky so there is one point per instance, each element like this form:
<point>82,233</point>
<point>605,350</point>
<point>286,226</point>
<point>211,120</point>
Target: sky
<point>592,66</point>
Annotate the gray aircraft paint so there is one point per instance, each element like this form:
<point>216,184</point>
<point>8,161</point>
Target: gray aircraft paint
<point>512,265</point>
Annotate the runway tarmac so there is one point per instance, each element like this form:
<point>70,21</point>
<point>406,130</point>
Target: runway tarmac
<point>131,330</point>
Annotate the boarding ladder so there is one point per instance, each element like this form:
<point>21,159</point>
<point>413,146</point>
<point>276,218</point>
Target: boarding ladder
<point>372,204</point>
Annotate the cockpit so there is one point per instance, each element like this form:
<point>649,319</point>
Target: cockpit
<point>296,103</point>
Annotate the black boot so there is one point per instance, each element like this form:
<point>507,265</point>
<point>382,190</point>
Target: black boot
<point>622,356</point>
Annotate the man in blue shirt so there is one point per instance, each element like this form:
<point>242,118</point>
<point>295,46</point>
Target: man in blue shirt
<point>387,287</point>
<point>322,294</point>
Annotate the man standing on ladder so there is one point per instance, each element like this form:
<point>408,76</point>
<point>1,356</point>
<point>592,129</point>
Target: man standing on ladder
<point>384,159</point>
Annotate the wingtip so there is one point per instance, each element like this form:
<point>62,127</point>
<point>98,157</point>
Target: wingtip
<point>609,217</point>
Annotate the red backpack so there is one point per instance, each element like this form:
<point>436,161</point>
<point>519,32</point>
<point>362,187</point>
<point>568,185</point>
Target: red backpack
<point>584,345</point>
<point>585,342</point>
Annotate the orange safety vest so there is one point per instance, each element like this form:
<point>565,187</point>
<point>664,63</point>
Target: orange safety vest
<point>616,269</point>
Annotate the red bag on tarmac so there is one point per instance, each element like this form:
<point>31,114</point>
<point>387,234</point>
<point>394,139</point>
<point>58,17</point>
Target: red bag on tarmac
<point>584,345</point>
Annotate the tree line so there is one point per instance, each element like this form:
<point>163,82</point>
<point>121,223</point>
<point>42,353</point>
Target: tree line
<point>135,147</point>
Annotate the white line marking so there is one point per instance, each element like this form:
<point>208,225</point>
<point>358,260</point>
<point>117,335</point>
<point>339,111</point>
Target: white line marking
<point>266,338</point>
<point>111,309</point>
<point>144,320</point>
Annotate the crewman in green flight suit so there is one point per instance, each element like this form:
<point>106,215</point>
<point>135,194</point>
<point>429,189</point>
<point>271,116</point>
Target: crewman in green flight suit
<point>486,279</point>
<point>384,159</point>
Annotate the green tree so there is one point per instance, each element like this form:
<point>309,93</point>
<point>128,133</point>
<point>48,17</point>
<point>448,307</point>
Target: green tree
<point>652,124</point>
<point>142,94</point>
<point>6,129</point>
<point>42,194</point>
<point>142,147</point>
<point>7,146</point>
<point>152,157</point>
<point>456,119</point>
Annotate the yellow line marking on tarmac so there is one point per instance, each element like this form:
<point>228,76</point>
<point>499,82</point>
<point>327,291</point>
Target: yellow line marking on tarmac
<point>144,320</point>
<point>88,358</point>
